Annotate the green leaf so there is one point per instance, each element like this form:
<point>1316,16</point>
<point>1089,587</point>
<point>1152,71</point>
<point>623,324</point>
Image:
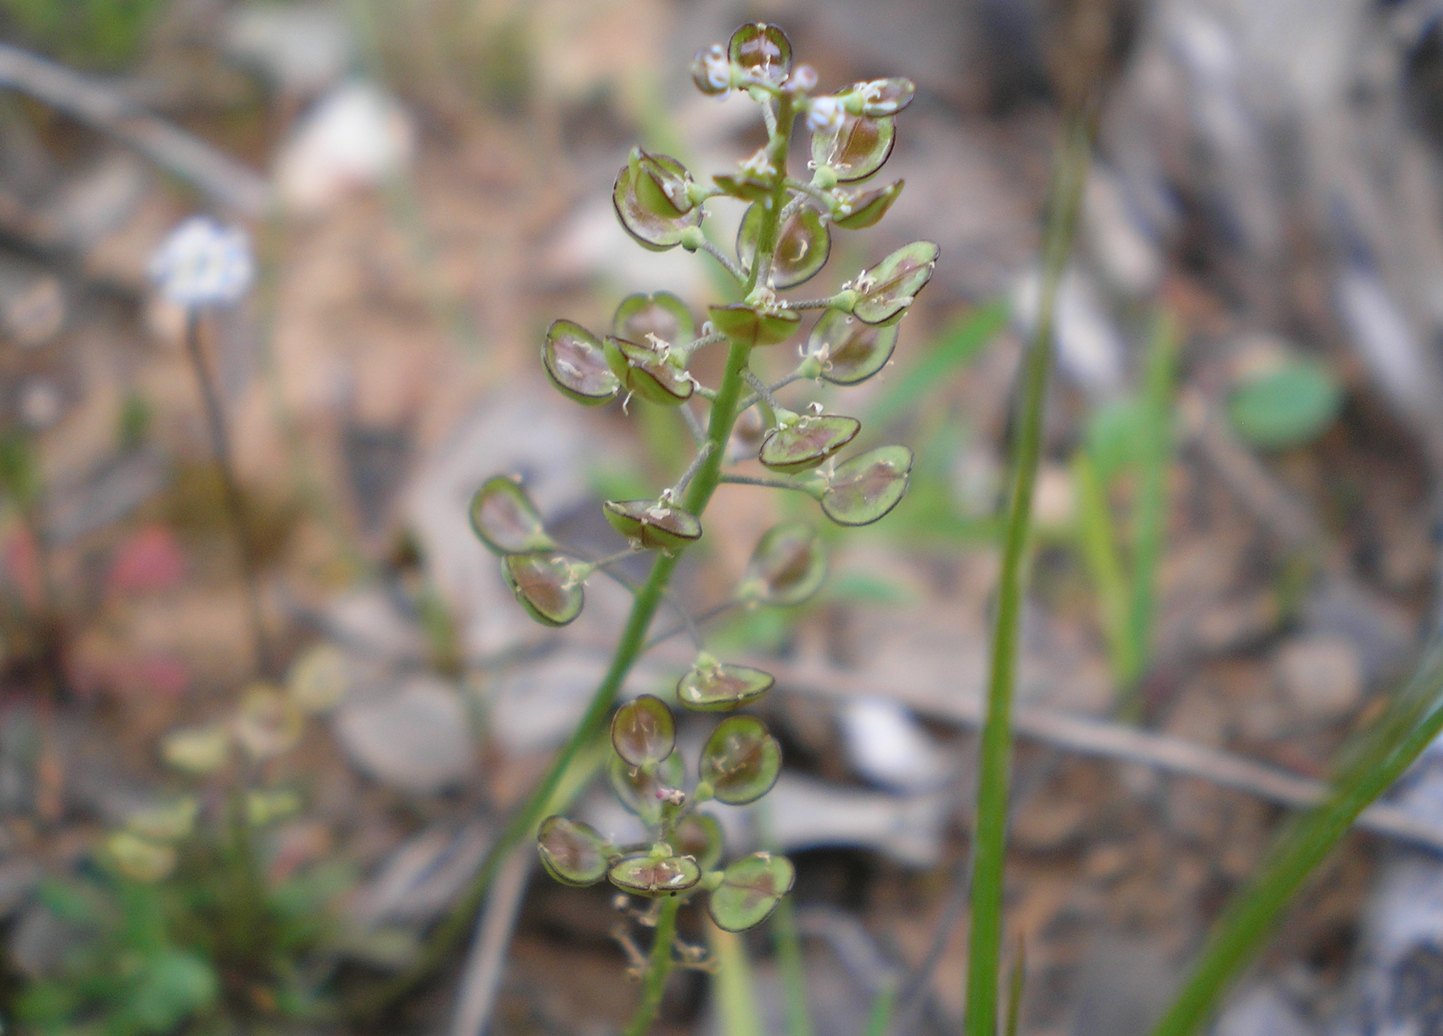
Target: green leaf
<point>750,890</point>
<point>1290,405</point>
<point>173,986</point>
<point>505,520</point>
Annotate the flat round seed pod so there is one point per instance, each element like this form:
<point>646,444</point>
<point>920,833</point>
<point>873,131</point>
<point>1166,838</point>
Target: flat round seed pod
<point>881,97</point>
<point>658,315</point>
<point>545,586</point>
<point>714,687</point>
<point>750,890</point>
<point>645,875</point>
<point>808,441</point>
<point>505,520</point>
<point>653,524</point>
<point>887,289</point>
<point>741,760</point>
<point>864,488</point>
<point>851,350</point>
<point>650,197</point>
<point>700,837</point>
<point>643,731</point>
<point>572,852</point>
<point>743,323</point>
<point>644,370</point>
<point>576,364</point>
<point>762,52</point>
<point>642,792</point>
<point>788,566</point>
<point>803,244</point>
<point>857,150</point>
<point>866,208</point>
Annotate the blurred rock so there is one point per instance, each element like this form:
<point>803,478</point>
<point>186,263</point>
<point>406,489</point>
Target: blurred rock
<point>354,138</point>
<point>1322,676</point>
<point>417,739</point>
<point>302,48</point>
<point>887,745</point>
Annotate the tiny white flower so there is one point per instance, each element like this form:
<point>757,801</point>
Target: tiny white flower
<point>718,67</point>
<point>824,114</point>
<point>203,263</point>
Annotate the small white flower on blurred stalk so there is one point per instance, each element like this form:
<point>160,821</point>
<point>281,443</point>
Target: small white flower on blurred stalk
<point>824,114</point>
<point>203,263</point>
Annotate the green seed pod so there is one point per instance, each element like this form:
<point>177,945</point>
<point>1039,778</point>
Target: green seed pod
<point>545,585</point>
<point>710,686</point>
<point>652,200</point>
<point>863,489</point>
<point>646,370</point>
<point>711,70</point>
<point>741,760</point>
<point>850,351</point>
<point>653,524</point>
<point>572,852</point>
<point>855,151</point>
<point>787,567</point>
<point>643,791</point>
<point>576,364</point>
<point>700,837</point>
<point>643,731</point>
<point>658,316</point>
<point>886,290</point>
<point>743,323</point>
<point>866,208</point>
<point>803,244</point>
<point>750,890</point>
<point>805,442</point>
<point>646,875</point>
<point>505,520</point>
<point>762,52</point>
<point>880,97</point>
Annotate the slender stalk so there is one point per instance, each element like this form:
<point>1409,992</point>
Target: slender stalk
<point>769,403</point>
<point>230,488</point>
<point>766,483</point>
<point>730,267</point>
<point>658,967</point>
<point>994,764</point>
<point>734,989</point>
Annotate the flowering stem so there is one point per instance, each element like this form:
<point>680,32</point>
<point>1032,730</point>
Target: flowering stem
<point>592,725</point>
<point>230,488</point>
<point>658,967</point>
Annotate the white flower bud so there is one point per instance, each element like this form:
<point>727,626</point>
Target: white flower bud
<point>824,114</point>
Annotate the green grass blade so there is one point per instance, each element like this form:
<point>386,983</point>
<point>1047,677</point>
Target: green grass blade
<point>732,983</point>
<point>1014,989</point>
<point>885,1002</point>
<point>1098,546</point>
<point>1373,763</point>
<point>793,970</point>
<point>1150,516</point>
<point>995,760</point>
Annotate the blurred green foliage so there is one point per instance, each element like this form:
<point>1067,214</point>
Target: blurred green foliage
<point>95,34</point>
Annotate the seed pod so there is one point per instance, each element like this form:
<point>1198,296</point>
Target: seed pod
<point>572,852</point>
<point>505,520</point>
<point>641,791</point>
<point>866,487</point>
<point>750,890</point>
<point>857,150</point>
<point>880,98</point>
<point>652,523</point>
<point>700,837</point>
<point>887,289</point>
<point>741,760</point>
<point>576,364</point>
<point>866,208</point>
<point>711,70</point>
<point>762,52</point>
<point>710,686</point>
<point>658,316</point>
<point>802,246</point>
<point>806,442</point>
<point>646,875</point>
<point>652,201</point>
<point>643,731</point>
<point>545,585</point>
<point>646,370</point>
<point>851,351</point>
<point>743,323</point>
<point>787,567</point>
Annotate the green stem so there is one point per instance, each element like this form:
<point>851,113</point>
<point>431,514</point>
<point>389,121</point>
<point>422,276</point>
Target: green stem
<point>658,967</point>
<point>994,765</point>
